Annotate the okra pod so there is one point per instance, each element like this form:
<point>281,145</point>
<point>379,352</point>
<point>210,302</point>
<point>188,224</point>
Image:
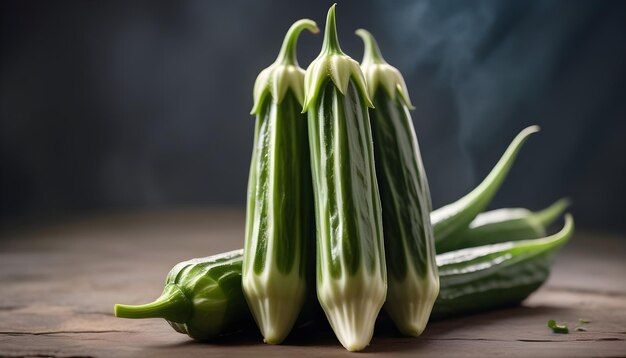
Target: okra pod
<point>202,298</point>
<point>279,220</point>
<point>413,282</point>
<point>498,275</point>
<point>351,273</point>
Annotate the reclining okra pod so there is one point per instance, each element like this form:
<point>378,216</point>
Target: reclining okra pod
<point>351,272</point>
<point>202,298</point>
<point>280,232</point>
<point>413,282</point>
<point>497,275</point>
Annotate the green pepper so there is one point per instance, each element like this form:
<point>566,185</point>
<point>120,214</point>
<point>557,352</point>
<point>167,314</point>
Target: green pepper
<point>413,283</point>
<point>203,297</point>
<point>280,229</point>
<point>509,224</point>
<point>351,273</point>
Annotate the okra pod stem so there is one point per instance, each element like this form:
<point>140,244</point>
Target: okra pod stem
<point>172,305</point>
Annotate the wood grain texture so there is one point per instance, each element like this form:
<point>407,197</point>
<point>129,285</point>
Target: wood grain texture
<point>59,284</point>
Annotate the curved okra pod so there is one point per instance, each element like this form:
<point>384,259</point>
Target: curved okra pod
<point>508,224</point>
<point>454,217</point>
<point>202,298</point>
<point>351,273</point>
<point>413,282</point>
<point>279,224</point>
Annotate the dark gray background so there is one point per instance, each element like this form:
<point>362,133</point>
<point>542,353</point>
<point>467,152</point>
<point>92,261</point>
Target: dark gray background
<point>114,105</point>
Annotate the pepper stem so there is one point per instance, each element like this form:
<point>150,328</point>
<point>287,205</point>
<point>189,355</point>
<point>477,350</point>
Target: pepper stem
<point>371,54</point>
<point>287,54</point>
<point>548,215</point>
<point>172,305</point>
<point>331,41</point>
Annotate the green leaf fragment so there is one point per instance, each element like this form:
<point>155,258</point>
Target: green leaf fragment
<point>557,328</point>
<point>582,320</point>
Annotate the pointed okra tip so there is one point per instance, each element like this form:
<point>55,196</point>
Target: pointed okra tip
<point>561,237</point>
<point>285,73</point>
<point>516,145</point>
<point>530,130</point>
<point>548,215</point>
<point>333,63</point>
<point>378,73</point>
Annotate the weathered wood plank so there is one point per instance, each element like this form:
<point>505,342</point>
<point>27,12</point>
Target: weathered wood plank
<point>59,284</point>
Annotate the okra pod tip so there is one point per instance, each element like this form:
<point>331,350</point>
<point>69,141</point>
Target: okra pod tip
<point>560,238</point>
<point>331,39</point>
<point>548,215</point>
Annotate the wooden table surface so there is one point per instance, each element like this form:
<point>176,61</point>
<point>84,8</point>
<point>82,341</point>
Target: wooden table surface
<point>59,284</point>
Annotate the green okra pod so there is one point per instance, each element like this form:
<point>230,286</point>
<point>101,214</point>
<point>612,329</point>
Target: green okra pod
<point>498,275</point>
<point>202,298</point>
<point>413,282</point>
<point>279,222</point>
<point>351,273</point>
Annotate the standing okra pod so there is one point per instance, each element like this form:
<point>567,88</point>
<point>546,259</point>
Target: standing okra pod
<point>279,224</point>
<point>351,273</point>
<point>409,244</point>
